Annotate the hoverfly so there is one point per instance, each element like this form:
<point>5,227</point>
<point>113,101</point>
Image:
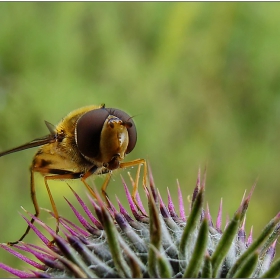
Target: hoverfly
<point>89,140</point>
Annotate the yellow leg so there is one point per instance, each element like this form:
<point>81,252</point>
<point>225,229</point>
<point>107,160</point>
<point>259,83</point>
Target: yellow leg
<point>56,215</point>
<point>36,207</point>
<point>71,175</point>
<point>104,186</point>
<point>91,191</point>
<point>138,162</point>
<point>61,177</point>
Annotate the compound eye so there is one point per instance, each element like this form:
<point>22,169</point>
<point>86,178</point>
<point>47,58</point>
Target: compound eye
<point>88,131</point>
<point>129,123</point>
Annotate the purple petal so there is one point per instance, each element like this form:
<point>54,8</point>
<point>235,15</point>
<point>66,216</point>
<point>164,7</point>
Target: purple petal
<point>63,245</point>
<point>245,202</point>
<point>219,217</point>
<point>86,209</point>
<point>202,215</point>
<point>152,184</point>
<point>140,204</point>
<point>271,251</point>
<point>42,224</point>
<point>111,208</point>
<point>69,229</point>
<point>50,231</point>
<point>196,189</point>
<point>96,207</point>
<point>79,231</point>
<point>81,219</point>
<point>151,177</point>
<point>45,240</point>
<point>132,205</point>
<point>134,223</point>
<point>39,274</point>
<point>268,257</point>
<point>28,248</point>
<point>208,216</point>
<point>23,258</point>
<point>171,222</point>
<point>123,211</point>
<point>171,207</point>
<point>120,219</point>
<point>137,196</point>
<point>39,255</point>
<point>16,272</point>
<point>241,232</point>
<point>181,203</point>
<point>45,258</point>
<point>45,250</point>
<point>250,237</point>
<point>163,209</point>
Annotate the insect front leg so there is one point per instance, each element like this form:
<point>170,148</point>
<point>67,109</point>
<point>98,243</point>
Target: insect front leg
<point>104,185</point>
<point>139,163</point>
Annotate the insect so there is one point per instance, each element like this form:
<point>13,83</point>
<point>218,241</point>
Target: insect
<point>89,140</point>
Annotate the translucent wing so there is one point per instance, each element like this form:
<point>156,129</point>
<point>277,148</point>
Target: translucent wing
<point>52,137</point>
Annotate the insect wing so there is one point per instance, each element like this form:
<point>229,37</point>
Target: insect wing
<point>34,143</point>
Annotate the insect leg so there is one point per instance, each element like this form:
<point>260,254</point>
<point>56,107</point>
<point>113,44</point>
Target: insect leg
<point>36,207</point>
<point>104,186</point>
<point>138,162</point>
<point>46,178</point>
<point>86,175</point>
<point>66,175</point>
<point>60,175</point>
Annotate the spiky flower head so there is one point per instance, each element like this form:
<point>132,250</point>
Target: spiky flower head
<point>161,243</point>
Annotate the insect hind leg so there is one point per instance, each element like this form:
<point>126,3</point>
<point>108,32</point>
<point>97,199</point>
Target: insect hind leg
<point>63,175</point>
<point>36,207</point>
<point>58,175</point>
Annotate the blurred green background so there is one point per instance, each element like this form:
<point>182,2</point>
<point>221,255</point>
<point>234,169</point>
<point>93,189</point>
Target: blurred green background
<point>201,79</point>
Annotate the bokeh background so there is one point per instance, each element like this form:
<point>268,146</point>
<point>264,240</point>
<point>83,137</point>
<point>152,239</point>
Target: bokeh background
<point>202,81</point>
